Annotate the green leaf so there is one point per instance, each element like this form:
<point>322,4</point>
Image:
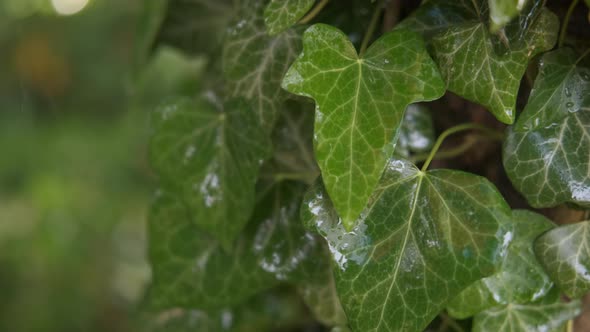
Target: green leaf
<point>191,270</point>
<point>565,254</point>
<point>195,26</point>
<point>210,155</point>
<point>321,297</point>
<point>520,279</point>
<point>279,15</point>
<point>254,63</point>
<point>149,22</point>
<point>546,315</point>
<point>477,65</point>
<point>503,11</point>
<point>561,88</point>
<point>417,131</point>
<point>360,105</point>
<point>422,239</point>
<point>549,165</point>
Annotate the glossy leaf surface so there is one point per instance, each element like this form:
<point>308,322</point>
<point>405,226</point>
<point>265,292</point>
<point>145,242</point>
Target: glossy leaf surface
<point>476,64</point>
<point>191,269</point>
<point>417,131</point>
<point>195,26</point>
<point>546,315</point>
<point>520,278</point>
<point>565,254</point>
<point>279,15</point>
<point>503,11</point>
<point>423,238</point>
<point>210,155</point>
<point>360,105</point>
<point>561,88</point>
<point>551,165</point>
<point>254,62</point>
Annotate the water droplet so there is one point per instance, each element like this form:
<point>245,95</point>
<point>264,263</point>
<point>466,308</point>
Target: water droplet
<point>385,61</point>
<point>585,76</point>
<point>568,92</point>
<point>569,105</point>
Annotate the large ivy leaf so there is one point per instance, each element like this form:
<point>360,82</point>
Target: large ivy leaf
<point>423,238</point>
<point>254,63</point>
<point>191,270</point>
<point>195,26</point>
<point>416,133</point>
<point>565,254</point>
<point>360,105</point>
<point>561,88</point>
<point>551,165</point>
<point>520,279</point>
<point>503,11</point>
<point>477,65</point>
<point>547,315</point>
<point>279,15</point>
<point>210,155</point>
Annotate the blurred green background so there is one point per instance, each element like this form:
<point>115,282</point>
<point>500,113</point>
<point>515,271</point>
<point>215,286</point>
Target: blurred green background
<point>74,179</point>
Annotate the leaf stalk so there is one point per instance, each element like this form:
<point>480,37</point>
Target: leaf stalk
<point>566,22</point>
<point>371,29</point>
<point>314,12</point>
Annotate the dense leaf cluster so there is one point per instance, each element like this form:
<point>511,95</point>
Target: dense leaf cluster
<point>267,207</point>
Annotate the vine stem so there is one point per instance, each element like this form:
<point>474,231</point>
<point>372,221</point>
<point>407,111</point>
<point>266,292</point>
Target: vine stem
<point>371,29</point>
<point>458,128</point>
<point>566,22</point>
<point>314,12</point>
<point>570,326</point>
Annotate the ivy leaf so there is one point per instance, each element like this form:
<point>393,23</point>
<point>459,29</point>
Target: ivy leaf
<point>520,279</point>
<point>468,55</point>
<point>503,11</point>
<point>416,133</point>
<point>191,270</point>
<point>561,88</point>
<point>546,315</point>
<point>360,105</point>
<point>254,63</point>
<point>210,155</point>
<point>423,238</point>
<point>550,165</point>
<point>565,254</point>
<point>279,15</point>
<point>195,26</point>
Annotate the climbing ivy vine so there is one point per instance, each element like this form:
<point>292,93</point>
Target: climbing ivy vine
<point>313,178</point>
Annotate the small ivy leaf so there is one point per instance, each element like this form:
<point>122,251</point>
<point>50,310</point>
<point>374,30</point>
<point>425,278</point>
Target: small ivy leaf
<point>360,105</point>
<point>195,26</point>
<point>547,315</point>
<point>549,166</point>
<point>191,270</point>
<point>422,239</point>
<point>520,279</point>
<point>211,158</point>
<point>468,56</point>
<point>417,131</point>
<point>254,63</point>
<point>503,11</point>
<point>321,297</point>
<point>279,15</point>
<point>562,87</point>
<point>565,254</point>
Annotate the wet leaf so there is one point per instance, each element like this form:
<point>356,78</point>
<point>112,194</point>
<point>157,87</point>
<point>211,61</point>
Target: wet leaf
<point>561,88</point>
<point>191,270</point>
<point>210,155</point>
<point>520,278</point>
<point>546,315</point>
<point>565,254</point>
<point>360,105</point>
<point>279,15</point>
<point>422,239</point>
<point>195,26</point>
<point>477,65</point>
<point>254,63</point>
<point>417,131</point>
<point>503,11</point>
<point>550,165</point>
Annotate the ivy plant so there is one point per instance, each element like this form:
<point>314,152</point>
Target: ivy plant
<point>318,175</point>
